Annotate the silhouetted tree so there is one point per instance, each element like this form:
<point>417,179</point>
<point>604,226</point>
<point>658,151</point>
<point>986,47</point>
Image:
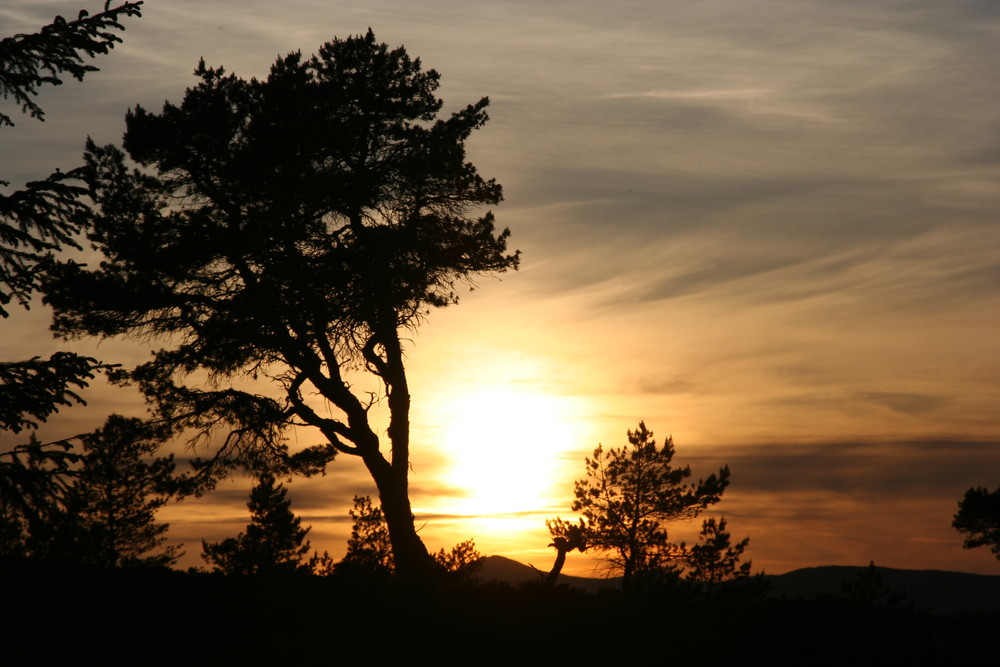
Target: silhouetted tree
<point>369,548</point>
<point>274,541</point>
<point>95,505</point>
<point>461,559</point>
<point>36,501</point>
<point>715,559</point>
<point>566,536</point>
<point>322,565</point>
<point>30,391</point>
<point>118,490</point>
<point>868,589</point>
<point>631,494</point>
<point>46,216</point>
<point>289,228</point>
<point>978,519</point>
<point>29,61</point>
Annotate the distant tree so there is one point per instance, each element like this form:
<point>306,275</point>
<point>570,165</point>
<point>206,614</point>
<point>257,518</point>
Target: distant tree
<point>118,490</point>
<point>461,559</point>
<point>978,519</point>
<point>629,497</point>
<point>715,559</point>
<point>92,505</point>
<point>46,216</point>
<point>274,541</point>
<point>321,565</point>
<point>369,549</point>
<point>868,589</point>
<point>291,229</point>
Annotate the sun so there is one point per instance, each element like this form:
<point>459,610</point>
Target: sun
<point>503,448</point>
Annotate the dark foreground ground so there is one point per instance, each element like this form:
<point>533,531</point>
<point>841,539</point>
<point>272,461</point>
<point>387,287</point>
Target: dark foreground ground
<point>59,617</point>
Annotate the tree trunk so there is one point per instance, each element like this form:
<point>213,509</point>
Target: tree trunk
<point>557,567</point>
<point>413,562</point>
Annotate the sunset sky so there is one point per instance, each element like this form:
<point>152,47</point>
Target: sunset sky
<point>769,229</point>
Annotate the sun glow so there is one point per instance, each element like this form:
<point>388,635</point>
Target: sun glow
<point>503,447</point>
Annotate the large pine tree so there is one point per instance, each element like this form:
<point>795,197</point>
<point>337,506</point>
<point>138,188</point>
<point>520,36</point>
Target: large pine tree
<point>294,229</point>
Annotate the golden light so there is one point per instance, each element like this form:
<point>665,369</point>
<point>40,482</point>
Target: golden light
<point>502,446</point>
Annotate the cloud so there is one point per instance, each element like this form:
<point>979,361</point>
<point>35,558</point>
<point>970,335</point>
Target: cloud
<point>878,471</point>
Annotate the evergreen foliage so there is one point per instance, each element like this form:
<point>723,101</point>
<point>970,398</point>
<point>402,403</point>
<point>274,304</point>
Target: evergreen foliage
<point>715,559</point>
<point>118,490</point>
<point>290,228</point>
<point>461,559</point>
<point>870,590</point>
<point>274,541</point>
<point>629,497</point>
<point>36,500</point>
<point>28,61</point>
<point>32,390</point>
<point>368,549</point>
<point>978,519</point>
<point>46,216</point>
<point>95,505</point>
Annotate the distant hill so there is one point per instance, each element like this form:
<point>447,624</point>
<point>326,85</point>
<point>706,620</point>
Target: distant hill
<point>508,571</point>
<point>932,590</point>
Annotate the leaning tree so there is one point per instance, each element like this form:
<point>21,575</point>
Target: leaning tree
<point>289,230</point>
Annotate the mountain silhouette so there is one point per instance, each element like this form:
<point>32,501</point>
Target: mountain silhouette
<point>932,590</point>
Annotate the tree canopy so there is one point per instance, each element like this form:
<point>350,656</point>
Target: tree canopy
<point>629,497</point>
<point>289,229</point>
<point>978,519</point>
<point>714,559</point>
<point>94,505</point>
<point>369,549</point>
<point>36,500</point>
<point>46,215</point>
<point>118,490</point>
<point>274,541</point>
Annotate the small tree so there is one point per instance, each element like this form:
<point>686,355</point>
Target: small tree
<point>118,490</point>
<point>868,589</point>
<point>629,497</point>
<point>273,541</point>
<point>368,548</point>
<point>715,559</point>
<point>978,519</point>
<point>95,505</point>
<point>462,559</point>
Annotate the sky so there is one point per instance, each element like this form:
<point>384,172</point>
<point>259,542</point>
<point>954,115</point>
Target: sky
<point>768,229</point>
